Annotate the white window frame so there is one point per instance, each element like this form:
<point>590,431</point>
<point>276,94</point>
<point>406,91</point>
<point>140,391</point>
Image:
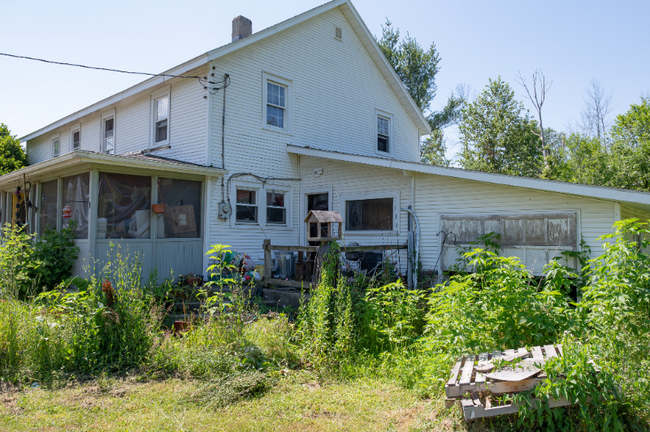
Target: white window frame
<point>260,198</point>
<point>165,93</point>
<point>391,132</point>
<point>288,100</point>
<point>250,187</point>
<point>394,194</point>
<point>105,116</point>
<point>56,139</point>
<point>303,207</point>
<point>288,195</point>
<point>76,128</point>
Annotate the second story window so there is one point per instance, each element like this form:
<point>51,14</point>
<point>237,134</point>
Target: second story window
<point>276,105</point>
<point>383,134</point>
<point>108,139</point>
<point>56,147</point>
<point>161,117</point>
<point>76,140</point>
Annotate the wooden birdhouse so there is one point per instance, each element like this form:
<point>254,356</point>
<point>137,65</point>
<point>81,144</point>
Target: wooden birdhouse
<point>320,226</point>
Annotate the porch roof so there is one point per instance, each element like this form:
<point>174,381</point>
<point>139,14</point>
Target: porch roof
<point>135,161</point>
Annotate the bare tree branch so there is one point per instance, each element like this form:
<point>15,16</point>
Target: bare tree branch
<point>598,105</point>
<point>537,98</point>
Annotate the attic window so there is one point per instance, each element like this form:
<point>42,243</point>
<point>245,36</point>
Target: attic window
<point>338,33</point>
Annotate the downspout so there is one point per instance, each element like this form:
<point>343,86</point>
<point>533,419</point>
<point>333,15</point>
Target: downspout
<point>417,245</point>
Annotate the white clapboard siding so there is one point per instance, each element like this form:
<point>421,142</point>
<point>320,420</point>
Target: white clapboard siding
<point>249,238</point>
<point>90,131</point>
<point>132,125</point>
<point>437,195</point>
<point>187,123</point>
<point>188,120</point>
<point>628,212</point>
<point>336,89</point>
<point>345,179</point>
<point>39,149</point>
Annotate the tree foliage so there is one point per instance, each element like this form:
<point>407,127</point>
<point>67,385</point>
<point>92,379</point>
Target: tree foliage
<point>12,156</point>
<point>417,67</point>
<point>498,136</point>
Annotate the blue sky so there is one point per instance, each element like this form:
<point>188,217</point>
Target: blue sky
<point>572,42</point>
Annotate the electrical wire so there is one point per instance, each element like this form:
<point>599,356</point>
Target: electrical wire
<point>101,68</point>
<point>261,179</point>
<point>204,81</point>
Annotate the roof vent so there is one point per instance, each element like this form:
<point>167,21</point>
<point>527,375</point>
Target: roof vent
<point>241,27</point>
<point>338,33</point>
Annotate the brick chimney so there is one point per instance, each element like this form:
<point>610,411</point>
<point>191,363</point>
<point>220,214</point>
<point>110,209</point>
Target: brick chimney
<point>241,27</point>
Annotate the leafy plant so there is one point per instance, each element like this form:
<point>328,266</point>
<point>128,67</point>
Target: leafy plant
<point>56,252</point>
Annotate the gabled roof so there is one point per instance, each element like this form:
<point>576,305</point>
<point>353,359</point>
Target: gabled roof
<point>348,11</point>
<point>635,199</point>
<point>324,216</point>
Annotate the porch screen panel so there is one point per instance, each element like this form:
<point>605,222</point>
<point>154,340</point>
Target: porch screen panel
<point>76,194</point>
<point>182,216</point>
<point>123,206</point>
<point>49,213</point>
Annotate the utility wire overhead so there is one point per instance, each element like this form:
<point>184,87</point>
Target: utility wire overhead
<point>101,68</point>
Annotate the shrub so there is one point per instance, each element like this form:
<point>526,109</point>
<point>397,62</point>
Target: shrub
<point>18,264</point>
<point>55,252</point>
<point>30,264</point>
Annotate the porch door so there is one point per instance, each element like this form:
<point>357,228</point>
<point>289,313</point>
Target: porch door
<point>318,201</point>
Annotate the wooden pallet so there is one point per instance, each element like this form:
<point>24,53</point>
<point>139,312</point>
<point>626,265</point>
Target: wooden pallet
<point>465,382</point>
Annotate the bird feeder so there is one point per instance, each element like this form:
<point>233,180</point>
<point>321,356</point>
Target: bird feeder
<point>323,222</point>
<point>67,211</point>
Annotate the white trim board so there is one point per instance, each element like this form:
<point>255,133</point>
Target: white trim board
<point>636,199</point>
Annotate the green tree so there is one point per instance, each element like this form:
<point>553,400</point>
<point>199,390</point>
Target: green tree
<point>417,67</point>
<point>497,134</point>
<point>582,159</point>
<point>434,149</point>
<point>12,156</point>
<point>630,148</point>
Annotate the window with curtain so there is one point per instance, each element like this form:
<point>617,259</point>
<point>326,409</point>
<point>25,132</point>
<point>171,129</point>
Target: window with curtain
<point>123,208</point>
<point>76,194</point>
<point>182,216</point>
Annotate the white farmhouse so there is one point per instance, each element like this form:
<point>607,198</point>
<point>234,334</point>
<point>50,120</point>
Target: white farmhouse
<point>237,145</point>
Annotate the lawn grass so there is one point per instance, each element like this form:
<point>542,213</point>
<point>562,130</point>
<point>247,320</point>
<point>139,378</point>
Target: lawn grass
<point>295,403</point>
